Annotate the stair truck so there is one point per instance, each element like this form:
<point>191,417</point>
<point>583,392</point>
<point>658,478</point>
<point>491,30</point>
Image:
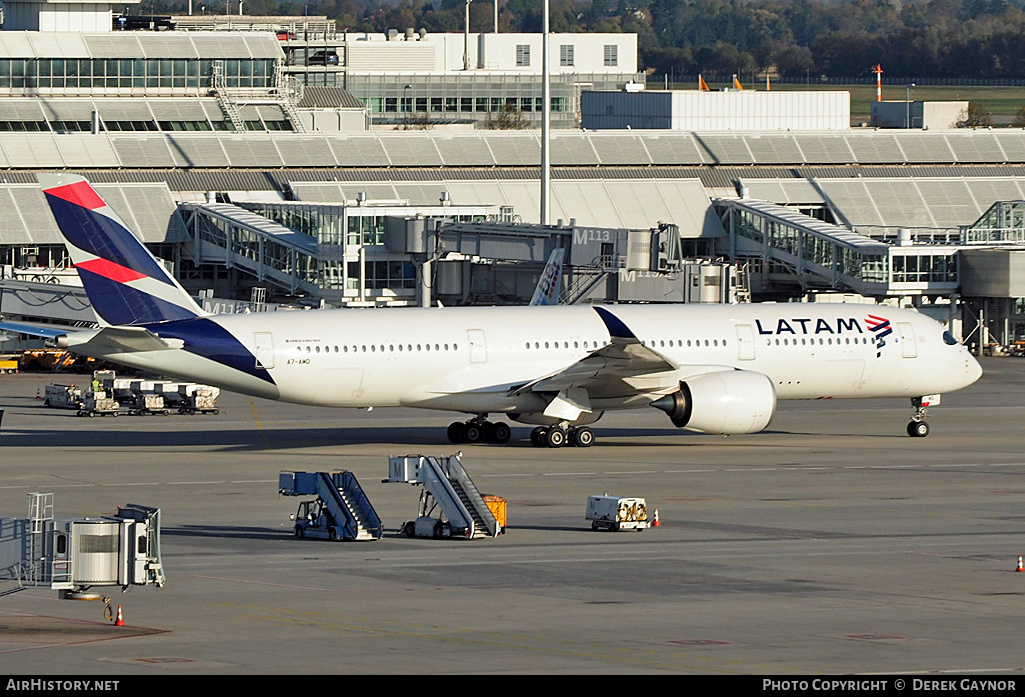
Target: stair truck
<point>341,510</point>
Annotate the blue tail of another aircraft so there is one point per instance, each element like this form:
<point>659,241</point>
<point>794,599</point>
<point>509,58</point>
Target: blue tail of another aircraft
<point>125,283</point>
<point>547,291</point>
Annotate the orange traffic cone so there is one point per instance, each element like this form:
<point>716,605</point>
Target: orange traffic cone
<point>119,622</point>
<point>1020,566</point>
<point>38,395</point>
<point>656,522</point>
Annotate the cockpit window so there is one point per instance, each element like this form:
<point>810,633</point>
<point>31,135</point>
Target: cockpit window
<point>949,339</point>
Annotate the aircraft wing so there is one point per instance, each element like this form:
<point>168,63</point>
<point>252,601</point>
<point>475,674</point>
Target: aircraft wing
<point>602,372</point>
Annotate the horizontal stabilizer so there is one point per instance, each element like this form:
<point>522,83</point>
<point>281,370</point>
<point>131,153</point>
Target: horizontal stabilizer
<point>30,330</point>
<point>120,340</point>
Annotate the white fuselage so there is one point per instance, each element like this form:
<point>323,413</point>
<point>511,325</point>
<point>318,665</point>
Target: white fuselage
<point>470,359</point>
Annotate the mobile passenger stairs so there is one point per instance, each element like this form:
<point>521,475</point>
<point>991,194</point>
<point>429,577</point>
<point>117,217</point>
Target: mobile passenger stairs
<point>341,510</point>
<point>463,511</point>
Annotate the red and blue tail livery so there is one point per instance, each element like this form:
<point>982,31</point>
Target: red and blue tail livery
<point>125,283</point>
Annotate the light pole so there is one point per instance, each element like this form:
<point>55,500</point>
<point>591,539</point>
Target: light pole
<point>907,104</point>
<point>406,104</point>
<point>546,121</point>
<point>466,38</point>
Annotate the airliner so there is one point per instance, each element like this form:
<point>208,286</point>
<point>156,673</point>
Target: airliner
<point>716,369</point>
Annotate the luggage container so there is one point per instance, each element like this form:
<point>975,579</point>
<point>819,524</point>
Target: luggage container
<point>617,513</point>
<point>201,401</point>
<point>98,404</point>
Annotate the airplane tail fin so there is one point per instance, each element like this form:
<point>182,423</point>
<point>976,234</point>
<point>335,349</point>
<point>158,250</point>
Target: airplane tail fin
<point>124,282</point>
<point>547,291</point>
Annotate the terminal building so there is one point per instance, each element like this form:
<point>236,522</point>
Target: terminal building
<point>200,140</point>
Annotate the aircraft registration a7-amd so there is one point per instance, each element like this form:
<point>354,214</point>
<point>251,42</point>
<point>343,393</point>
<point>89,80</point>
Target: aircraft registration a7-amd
<point>712,368</point>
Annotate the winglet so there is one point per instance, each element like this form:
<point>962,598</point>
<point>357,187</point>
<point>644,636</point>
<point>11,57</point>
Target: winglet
<point>617,330</point>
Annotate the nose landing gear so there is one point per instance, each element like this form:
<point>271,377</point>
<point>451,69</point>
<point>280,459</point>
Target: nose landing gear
<point>917,427</point>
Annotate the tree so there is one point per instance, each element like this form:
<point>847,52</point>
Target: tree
<point>974,116</point>
<point>509,118</point>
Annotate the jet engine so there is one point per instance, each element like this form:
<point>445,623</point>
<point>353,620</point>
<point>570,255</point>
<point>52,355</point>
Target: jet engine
<point>726,402</point>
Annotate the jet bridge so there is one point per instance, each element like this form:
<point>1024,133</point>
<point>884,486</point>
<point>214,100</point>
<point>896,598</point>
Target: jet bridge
<point>464,513</point>
<point>76,555</point>
<point>344,511</point>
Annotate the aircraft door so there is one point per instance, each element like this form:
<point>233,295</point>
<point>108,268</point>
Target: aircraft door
<point>745,342</point>
<point>264,342</point>
<point>478,348</point>
<point>908,345</point>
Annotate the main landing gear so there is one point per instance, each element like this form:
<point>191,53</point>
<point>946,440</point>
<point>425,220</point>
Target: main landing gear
<point>917,427</point>
<point>558,436</point>
<point>479,430</point>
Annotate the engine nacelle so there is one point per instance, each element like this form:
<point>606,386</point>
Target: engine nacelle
<point>727,402</point>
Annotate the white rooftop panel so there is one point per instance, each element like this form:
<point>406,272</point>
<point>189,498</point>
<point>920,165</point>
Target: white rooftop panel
<point>118,44</point>
<point>66,109</point>
<point>123,110</point>
<point>12,229</point>
<point>263,45</point>
<point>411,150</point>
<point>15,109</point>
<point>975,146</point>
<point>573,150</point>
<point>688,207</point>
<point>58,45</point>
<point>142,151</point>
<point>900,202</point>
<point>33,150</point>
<point>511,149</point>
<point>167,45</point>
<point>875,147</point>
<point>1012,143</point>
<point>824,149</point>
<point>15,44</point>
<point>477,193</point>
<point>419,194</point>
<point>86,151</point>
<point>592,205</point>
<point>219,44</point>
<point>673,149</point>
<point>271,112</point>
<point>782,191</point>
<point>771,149</point>
<point>149,212</point>
<point>357,151</point>
<point>318,192</point>
<point>197,150</point>
<point>251,151</point>
<point>178,109</point>
<point>525,198</point>
<point>925,147</point>
<point>30,206</point>
<point>304,150</point>
<point>949,201</point>
<point>850,201</point>
<point>619,149</point>
<point>726,149</point>
<point>464,151</point>
<point>986,192</point>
